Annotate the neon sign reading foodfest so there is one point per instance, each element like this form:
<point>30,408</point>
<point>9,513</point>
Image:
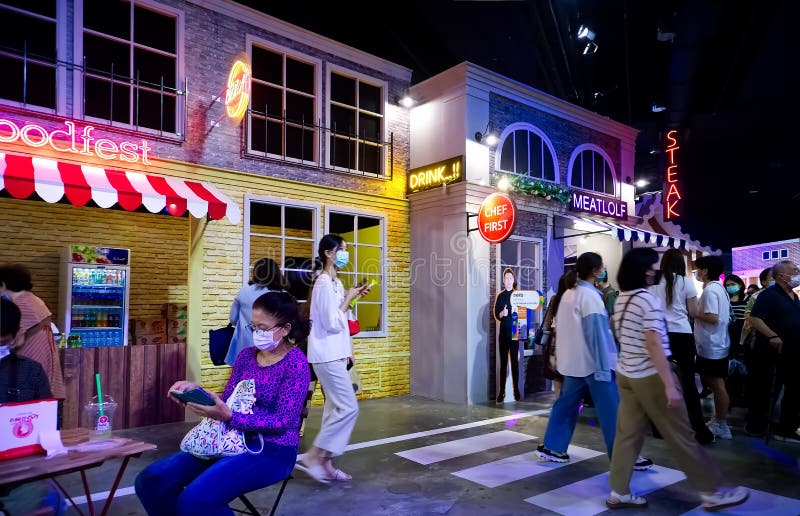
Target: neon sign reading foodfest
<point>69,140</point>
<point>237,96</point>
<point>671,179</point>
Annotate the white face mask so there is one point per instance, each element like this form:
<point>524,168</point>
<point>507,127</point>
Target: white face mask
<point>265,340</point>
<point>794,281</point>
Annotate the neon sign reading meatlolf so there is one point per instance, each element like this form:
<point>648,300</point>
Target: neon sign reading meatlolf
<point>237,96</point>
<point>598,205</point>
<point>74,140</point>
<point>671,179</point>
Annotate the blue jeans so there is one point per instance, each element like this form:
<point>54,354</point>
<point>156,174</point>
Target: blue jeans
<point>564,414</point>
<point>185,485</point>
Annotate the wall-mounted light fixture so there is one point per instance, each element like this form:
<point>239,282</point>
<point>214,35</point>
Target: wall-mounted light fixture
<point>656,108</point>
<point>406,100</point>
<point>590,48</point>
<point>585,32</point>
<point>488,136</point>
<point>641,183</point>
<point>504,185</point>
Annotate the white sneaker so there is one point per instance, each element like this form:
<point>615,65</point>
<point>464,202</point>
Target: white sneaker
<point>723,498</point>
<point>720,429</point>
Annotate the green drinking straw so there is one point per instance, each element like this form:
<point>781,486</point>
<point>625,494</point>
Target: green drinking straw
<point>99,393</point>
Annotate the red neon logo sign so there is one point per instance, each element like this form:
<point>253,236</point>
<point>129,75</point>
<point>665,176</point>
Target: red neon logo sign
<point>237,96</point>
<point>672,181</point>
<point>75,141</point>
<point>497,218</point>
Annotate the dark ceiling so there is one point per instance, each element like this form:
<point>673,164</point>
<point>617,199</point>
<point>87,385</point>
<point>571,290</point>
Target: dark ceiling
<point>724,80</point>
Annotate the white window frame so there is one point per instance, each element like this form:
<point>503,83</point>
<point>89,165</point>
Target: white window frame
<point>538,132</point>
<point>279,201</point>
<point>180,72</point>
<point>539,242</point>
<point>606,157</point>
<point>61,56</point>
<point>288,52</point>
<point>360,77</point>
<point>344,210</point>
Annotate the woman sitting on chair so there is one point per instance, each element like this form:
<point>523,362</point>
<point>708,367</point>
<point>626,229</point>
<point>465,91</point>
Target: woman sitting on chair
<point>184,484</point>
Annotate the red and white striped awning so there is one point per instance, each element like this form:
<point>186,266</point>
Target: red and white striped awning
<point>51,180</point>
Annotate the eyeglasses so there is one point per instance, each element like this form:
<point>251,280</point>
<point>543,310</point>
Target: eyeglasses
<point>253,328</point>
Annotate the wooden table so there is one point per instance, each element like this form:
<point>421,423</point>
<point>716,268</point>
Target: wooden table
<point>81,456</point>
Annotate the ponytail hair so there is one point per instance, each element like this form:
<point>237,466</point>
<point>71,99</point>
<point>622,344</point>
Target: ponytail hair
<point>329,242</point>
<point>283,307</point>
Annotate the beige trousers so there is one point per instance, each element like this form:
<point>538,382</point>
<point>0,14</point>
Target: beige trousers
<point>643,400</point>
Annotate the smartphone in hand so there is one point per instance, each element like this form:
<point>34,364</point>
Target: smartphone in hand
<point>198,395</point>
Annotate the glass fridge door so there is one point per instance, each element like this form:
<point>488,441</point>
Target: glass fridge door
<point>98,305</point>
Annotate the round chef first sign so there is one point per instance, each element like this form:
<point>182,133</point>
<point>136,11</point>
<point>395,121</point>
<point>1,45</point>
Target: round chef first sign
<point>497,218</point>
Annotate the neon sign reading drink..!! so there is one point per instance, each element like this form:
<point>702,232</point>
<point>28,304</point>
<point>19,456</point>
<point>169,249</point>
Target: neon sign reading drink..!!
<point>76,141</point>
<point>671,180</point>
<point>237,95</point>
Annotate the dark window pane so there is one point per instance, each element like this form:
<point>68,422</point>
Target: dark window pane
<point>369,158</point>
<point>299,76</point>
<point>343,89</point>
<point>549,171</point>
<point>154,29</point>
<point>275,138</point>
<point>41,86</point>
<point>43,7</point>
<point>299,109</point>
<point>343,152</point>
<point>535,147</point>
<point>369,98</point>
<point>151,108</point>
<point>267,98</point>
<point>299,143</point>
<point>343,120</point>
<point>609,178</point>
<point>598,172</point>
<point>11,85</point>
<point>152,67</point>
<point>98,97</point>
<point>267,66</point>
<point>576,174</point>
<point>587,163</point>
<point>257,130</point>
<point>262,214</point>
<point>298,218</point>
<point>21,33</point>
<point>342,224</point>
<point>369,127</point>
<point>109,17</point>
<point>507,154</point>
<point>521,157</point>
<point>102,53</point>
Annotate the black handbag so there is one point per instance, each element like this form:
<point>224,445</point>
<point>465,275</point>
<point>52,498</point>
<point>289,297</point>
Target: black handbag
<point>219,341</point>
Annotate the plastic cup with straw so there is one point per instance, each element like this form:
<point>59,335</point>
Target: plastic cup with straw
<point>103,426</point>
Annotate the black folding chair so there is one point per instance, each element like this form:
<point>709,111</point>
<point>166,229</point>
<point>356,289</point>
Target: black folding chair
<point>250,508</point>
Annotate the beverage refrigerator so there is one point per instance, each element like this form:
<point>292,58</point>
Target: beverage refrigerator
<point>95,292</point>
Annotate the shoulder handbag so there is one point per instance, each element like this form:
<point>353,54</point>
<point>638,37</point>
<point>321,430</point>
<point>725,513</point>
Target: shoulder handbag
<point>352,323</point>
<point>219,341</point>
<point>212,439</point>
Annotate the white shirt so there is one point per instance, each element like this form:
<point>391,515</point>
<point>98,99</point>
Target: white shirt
<point>712,339</point>
<point>677,314</point>
<point>644,312</point>
<point>329,339</point>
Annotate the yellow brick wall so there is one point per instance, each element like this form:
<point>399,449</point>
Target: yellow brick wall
<point>36,234</point>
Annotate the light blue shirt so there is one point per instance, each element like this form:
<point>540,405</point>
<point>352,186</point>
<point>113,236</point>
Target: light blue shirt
<point>241,316</point>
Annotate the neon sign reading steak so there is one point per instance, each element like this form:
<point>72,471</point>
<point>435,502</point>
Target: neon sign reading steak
<point>76,141</point>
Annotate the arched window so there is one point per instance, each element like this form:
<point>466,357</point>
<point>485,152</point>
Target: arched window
<point>526,151</point>
<point>590,169</point>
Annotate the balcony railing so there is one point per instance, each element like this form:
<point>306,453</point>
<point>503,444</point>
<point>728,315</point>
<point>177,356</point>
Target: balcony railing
<point>276,136</point>
<point>163,111</point>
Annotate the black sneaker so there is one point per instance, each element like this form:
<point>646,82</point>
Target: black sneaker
<point>549,455</point>
<point>791,438</point>
<point>642,464</point>
<point>501,397</point>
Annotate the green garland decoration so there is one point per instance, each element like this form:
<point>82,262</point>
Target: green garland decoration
<point>534,187</point>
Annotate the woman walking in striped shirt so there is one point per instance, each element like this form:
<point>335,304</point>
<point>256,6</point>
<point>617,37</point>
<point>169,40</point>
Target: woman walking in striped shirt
<point>650,391</point>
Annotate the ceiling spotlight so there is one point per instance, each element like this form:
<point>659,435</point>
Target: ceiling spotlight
<point>641,183</point>
<point>655,150</point>
<point>585,32</point>
<point>657,109</point>
<point>406,101</point>
<point>590,48</point>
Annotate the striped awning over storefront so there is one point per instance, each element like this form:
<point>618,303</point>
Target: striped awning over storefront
<point>22,176</point>
<point>625,233</point>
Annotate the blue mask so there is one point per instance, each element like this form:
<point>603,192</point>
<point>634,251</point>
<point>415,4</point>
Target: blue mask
<point>732,289</point>
<point>771,282</point>
<point>603,277</point>
<point>342,259</point>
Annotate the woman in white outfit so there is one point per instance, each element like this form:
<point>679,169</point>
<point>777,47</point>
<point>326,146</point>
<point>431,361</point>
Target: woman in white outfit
<point>330,349</point>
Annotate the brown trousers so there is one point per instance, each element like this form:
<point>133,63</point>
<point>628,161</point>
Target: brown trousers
<point>643,400</point>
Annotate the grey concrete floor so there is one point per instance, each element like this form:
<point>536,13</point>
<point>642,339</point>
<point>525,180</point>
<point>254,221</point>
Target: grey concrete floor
<point>388,484</point>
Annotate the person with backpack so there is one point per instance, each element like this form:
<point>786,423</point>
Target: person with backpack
<point>712,339</point>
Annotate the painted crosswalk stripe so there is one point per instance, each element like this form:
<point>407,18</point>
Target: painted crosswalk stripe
<point>587,497</point>
<point>758,504</point>
<point>465,446</point>
<point>521,466</point>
